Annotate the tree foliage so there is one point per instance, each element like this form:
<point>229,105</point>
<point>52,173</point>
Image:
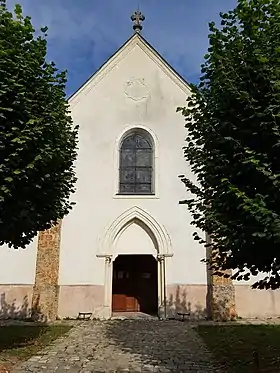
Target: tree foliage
<point>233,143</point>
<point>37,137</point>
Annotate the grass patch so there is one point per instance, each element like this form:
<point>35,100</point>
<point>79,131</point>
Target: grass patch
<point>233,346</point>
<point>19,342</point>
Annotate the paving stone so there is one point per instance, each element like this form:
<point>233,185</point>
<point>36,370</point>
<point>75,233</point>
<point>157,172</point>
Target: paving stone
<point>138,346</point>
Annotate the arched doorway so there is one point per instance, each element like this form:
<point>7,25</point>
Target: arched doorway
<point>135,284</point>
<point>111,247</point>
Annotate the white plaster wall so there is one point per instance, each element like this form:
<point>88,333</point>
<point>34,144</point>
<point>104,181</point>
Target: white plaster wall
<point>135,240</point>
<point>79,241</point>
<point>17,266</point>
<point>252,280</point>
<point>103,112</point>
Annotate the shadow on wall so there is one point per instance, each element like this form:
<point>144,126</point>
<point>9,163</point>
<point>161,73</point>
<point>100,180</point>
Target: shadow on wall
<point>18,311</point>
<point>180,303</point>
<point>12,310</point>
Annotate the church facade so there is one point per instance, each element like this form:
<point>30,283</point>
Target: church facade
<point>127,246</point>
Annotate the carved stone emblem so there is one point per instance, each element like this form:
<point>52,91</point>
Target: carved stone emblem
<point>136,89</point>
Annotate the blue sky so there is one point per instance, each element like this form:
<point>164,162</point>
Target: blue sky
<point>84,33</point>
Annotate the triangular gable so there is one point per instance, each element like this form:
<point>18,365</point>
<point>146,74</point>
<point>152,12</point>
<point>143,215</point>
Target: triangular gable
<point>134,40</point>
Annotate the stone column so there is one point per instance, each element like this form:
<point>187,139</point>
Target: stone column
<point>221,292</point>
<point>108,287</point>
<point>222,298</point>
<point>161,287</point>
<point>46,289</point>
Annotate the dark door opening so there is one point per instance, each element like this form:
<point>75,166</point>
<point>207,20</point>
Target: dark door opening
<point>135,286</point>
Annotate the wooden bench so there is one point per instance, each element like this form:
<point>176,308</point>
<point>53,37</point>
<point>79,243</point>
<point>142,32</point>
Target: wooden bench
<point>84,315</point>
<point>183,315</point>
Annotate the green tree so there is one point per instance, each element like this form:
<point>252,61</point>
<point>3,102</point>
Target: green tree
<point>37,138</point>
<point>233,143</point>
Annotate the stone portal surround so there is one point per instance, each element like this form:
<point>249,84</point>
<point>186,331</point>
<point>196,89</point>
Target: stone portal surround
<point>46,288</point>
<point>162,301</point>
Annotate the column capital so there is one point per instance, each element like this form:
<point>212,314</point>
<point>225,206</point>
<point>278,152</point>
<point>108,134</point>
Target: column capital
<point>160,258</point>
<point>107,257</point>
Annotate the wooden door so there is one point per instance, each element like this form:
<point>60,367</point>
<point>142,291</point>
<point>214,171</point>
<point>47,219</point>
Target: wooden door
<point>134,284</point>
<point>124,287</point>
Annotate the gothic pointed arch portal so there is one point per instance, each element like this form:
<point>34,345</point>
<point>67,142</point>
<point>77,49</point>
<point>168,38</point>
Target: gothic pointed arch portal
<point>139,216</point>
<point>109,251</point>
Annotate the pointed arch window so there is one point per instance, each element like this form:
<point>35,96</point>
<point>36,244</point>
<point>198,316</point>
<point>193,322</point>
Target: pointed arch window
<point>136,164</point>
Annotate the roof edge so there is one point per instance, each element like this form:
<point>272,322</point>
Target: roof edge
<point>119,50</point>
<point>101,66</point>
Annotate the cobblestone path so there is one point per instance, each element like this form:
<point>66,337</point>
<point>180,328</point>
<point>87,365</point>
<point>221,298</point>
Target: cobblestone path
<point>124,346</point>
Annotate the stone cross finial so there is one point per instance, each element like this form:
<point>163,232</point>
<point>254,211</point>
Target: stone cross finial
<point>137,18</point>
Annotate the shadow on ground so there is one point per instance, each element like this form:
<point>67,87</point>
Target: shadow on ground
<point>168,344</point>
<point>16,336</point>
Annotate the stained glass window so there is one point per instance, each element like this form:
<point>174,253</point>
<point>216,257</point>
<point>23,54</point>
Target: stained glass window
<point>136,165</point>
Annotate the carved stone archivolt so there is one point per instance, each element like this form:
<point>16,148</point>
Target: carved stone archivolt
<point>136,89</point>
